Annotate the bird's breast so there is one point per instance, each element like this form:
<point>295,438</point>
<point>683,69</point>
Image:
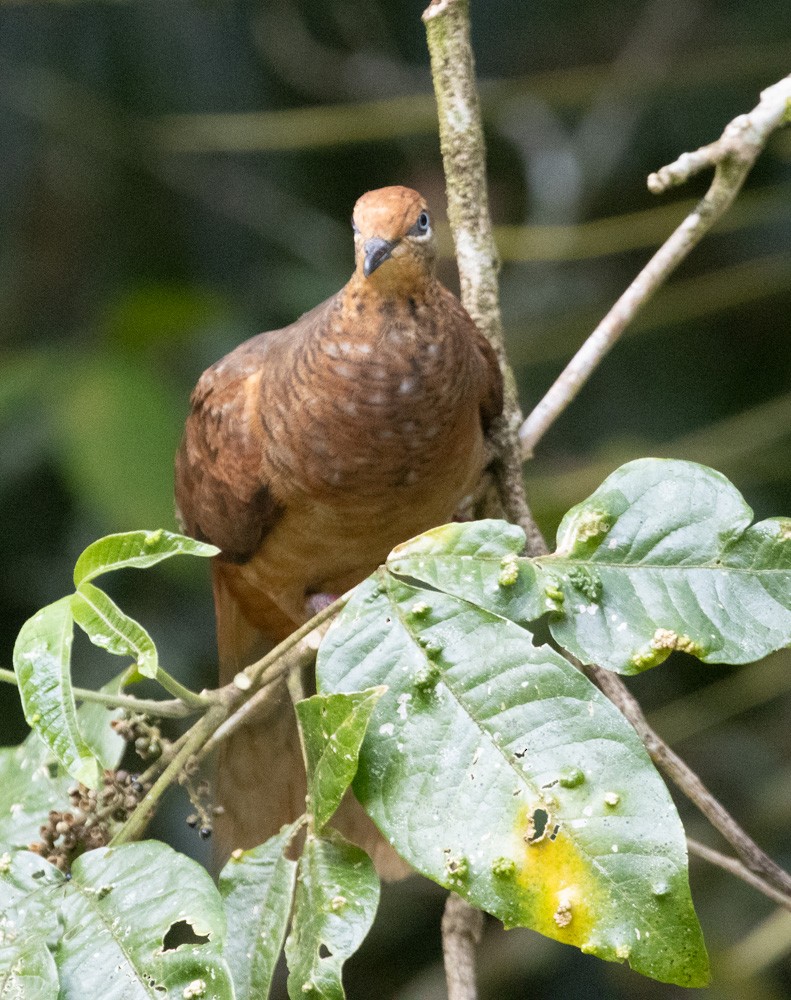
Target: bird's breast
<point>394,413</point>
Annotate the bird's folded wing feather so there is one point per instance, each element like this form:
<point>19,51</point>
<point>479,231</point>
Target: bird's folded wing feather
<point>223,487</point>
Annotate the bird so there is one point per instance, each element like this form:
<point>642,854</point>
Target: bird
<point>310,452</point>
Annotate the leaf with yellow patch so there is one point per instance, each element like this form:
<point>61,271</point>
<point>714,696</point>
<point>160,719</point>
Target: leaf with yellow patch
<point>499,771</point>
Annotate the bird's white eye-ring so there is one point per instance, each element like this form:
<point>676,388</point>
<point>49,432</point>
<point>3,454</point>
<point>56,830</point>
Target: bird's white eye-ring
<point>354,226</point>
<point>422,222</point>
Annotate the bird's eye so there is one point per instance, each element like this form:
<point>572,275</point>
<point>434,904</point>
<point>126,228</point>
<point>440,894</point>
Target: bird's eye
<point>354,226</point>
<point>423,222</point>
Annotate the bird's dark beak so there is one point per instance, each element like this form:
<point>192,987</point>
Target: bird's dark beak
<point>377,252</point>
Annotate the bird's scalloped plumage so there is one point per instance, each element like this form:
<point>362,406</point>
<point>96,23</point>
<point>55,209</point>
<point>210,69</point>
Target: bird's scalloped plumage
<point>310,451</point>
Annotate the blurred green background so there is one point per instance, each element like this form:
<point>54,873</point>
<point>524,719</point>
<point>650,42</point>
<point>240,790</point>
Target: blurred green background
<point>178,177</point>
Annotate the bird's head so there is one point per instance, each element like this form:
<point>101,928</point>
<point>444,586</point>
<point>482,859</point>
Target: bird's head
<point>394,241</point>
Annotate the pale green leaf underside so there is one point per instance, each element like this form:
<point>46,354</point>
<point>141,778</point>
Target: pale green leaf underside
<point>138,549</point>
<point>42,661</point>
<point>480,737</point>
<point>257,887</point>
<point>333,727</point>
<point>336,900</point>
<point>660,557</point>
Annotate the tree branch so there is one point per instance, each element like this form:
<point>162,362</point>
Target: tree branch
<point>462,926</point>
<point>171,709</point>
<point>735,867</point>
<point>732,157</point>
<point>464,160</point>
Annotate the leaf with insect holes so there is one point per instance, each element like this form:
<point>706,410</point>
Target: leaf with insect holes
<point>498,770</point>
<point>336,900</point>
<point>136,549</point>
<point>333,727</point>
<point>661,557</point>
<point>257,887</point>
<point>113,917</point>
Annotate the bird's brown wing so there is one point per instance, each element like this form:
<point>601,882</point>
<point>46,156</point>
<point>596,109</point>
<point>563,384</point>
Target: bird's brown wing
<point>224,491</point>
<point>222,495</point>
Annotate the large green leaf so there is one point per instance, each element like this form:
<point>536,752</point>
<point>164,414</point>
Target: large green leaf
<point>116,910</point>
<point>336,900</point>
<point>333,727</point>
<point>498,770</point>
<point>42,660</point>
<point>660,557</point>
<point>107,626</point>
<point>257,887</point>
<point>138,549</point>
<point>107,924</point>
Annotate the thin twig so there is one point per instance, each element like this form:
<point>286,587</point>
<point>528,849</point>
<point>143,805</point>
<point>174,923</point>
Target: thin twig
<point>735,867</point>
<point>171,709</point>
<point>732,157</point>
<point>464,160</point>
<point>291,660</point>
<point>462,926</point>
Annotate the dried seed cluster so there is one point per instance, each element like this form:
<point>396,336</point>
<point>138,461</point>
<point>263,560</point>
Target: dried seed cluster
<point>87,825</point>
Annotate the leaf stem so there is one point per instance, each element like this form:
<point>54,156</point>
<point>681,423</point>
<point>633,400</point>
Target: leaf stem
<point>191,699</point>
<point>175,709</point>
<point>136,823</point>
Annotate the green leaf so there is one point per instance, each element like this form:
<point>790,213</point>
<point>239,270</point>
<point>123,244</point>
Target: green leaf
<point>498,770</point>
<point>29,788</point>
<point>42,660</point>
<point>139,549</point>
<point>32,781</point>
<point>678,567</point>
<point>107,626</point>
<point>116,910</point>
<point>257,887</point>
<point>333,727</point>
<point>336,900</point>
<point>660,557</point>
<point>476,560</point>
<point>28,923</point>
